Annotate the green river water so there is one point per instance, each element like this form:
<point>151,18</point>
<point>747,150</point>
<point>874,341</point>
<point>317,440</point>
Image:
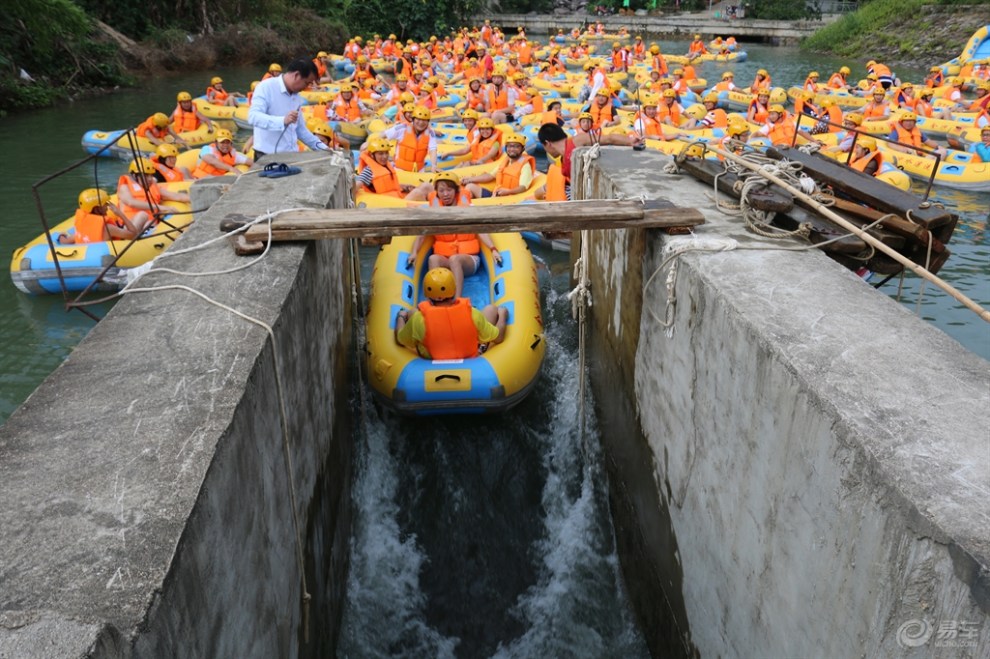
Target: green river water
<point>37,333</point>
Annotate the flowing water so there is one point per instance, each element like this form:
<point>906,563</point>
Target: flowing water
<point>473,537</point>
<point>489,536</point>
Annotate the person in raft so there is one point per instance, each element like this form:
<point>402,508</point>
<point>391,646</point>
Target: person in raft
<point>445,326</point>
<point>98,220</point>
<point>458,252</point>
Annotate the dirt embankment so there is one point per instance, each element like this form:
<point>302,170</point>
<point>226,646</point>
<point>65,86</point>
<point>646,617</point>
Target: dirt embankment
<point>933,36</point>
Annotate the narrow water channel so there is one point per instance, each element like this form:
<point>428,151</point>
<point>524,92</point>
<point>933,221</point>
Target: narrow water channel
<point>489,536</point>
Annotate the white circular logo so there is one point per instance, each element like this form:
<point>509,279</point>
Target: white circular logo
<point>914,633</point>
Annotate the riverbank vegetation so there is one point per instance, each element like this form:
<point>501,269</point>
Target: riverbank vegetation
<point>904,32</point>
<point>51,50</point>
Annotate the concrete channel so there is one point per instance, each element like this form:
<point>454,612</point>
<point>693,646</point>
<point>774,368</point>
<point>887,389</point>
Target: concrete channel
<point>798,466</point>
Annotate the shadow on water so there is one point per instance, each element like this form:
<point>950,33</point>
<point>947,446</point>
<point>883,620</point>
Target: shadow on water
<point>488,536</point>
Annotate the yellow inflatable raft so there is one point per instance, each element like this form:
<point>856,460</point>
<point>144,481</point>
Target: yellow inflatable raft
<point>493,381</point>
<point>32,266</point>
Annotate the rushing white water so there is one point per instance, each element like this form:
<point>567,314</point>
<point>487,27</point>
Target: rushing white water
<point>488,536</point>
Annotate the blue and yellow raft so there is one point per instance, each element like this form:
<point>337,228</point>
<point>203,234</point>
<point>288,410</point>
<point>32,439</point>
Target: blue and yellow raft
<point>490,382</point>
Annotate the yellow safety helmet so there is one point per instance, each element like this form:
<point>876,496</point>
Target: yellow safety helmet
<point>514,138</point>
<point>379,145</point>
<point>695,151</point>
<point>845,70</point>
<point>778,95</point>
<point>427,87</point>
<point>762,72</point>
<point>727,75</point>
<point>141,167</point>
<point>420,112</point>
<point>669,93</point>
<point>616,44</point>
<point>697,36</point>
<point>469,113</point>
<point>449,175</point>
<point>678,72</point>
<point>927,91</point>
<point>854,118</point>
<point>589,65</point>
<point>274,67</point>
<point>813,74</point>
<point>776,107</point>
<point>907,85</point>
<point>603,92</point>
<point>710,97</point>
<point>408,107</point>
<point>362,59</point>
<point>392,37</point>
<point>90,198</point>
<point>867,143</point>
<point>322,54</point>
<point>655,49</point>
<point>216,80</point>
<point>485,122</point>
<point>762,91</point>
<point>402,77</point>
<point>407,97</point>
<point>223,135</point>
<point>326,131</point>
<point>907,116</point>
<point>696,111</point>
<point>159,119</point>
<point>166,151</point>
<point>345,87</point>
<point>518,75</point>
<point>736,128</point>
<point>499,71</point>
<point>985,129</point>
<point>879,91</point>
<point>871,63</point>
<point>183,96</point>
<point>438,284</point>
<point>358,39</point>
<point>935,69</point>
<point>586,115</point>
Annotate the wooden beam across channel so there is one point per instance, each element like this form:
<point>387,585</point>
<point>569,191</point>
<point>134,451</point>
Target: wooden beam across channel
<point>319,224</point>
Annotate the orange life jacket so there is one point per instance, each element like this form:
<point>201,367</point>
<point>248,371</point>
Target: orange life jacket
<point>759,112</point>
<point>168,173</point>
<point>878,110</point>
<point>347,110</point>
<point>660,64</point>
<point>183,121</point>
<point>836,81</point>
<point>601,113</point>
<point>450,330</point>
<point>498,99</point>
<point>214,95</point>
<point>148,127</point>
<point>384,180</point>
<point>910,138</point>
<point>204,169</point>
<point>138,192</point>
<point>717,118</point>
<point>549,117</point>
<point>463,199</point>
<point>556,184</point>
<point>651,127</point>
<point>672,111</point>
<point>90,227</point>
<point>861,163</point>
<point>448,244</point>
<point>618,59</point>
<point>481,147</point>
<point>507,176</point>
<point>525,54</point>
<point>321,68</point>
<point>782,132</point>
<point>410,153</point>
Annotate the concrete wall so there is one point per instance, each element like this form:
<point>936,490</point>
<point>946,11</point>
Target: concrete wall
<point>802,467</point>
<point>160,525</point>
<point>540,25</point>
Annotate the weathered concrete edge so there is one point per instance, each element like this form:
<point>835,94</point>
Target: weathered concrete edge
<point>920,502</point>
<point>100,611</point>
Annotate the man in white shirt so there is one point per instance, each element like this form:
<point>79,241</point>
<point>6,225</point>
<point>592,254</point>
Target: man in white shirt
<point>274,112</point>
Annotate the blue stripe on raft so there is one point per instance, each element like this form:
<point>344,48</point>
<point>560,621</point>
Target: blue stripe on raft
<point>412,382</point>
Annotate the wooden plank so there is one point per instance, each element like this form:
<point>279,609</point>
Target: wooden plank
<point>320,224</point>
<point>864,188</point>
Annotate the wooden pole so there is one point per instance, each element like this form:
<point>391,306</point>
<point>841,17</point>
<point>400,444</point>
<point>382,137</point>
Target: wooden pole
<point>319,224</point>
<point>852,228</point>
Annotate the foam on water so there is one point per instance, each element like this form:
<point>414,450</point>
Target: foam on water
<point>558,576</point>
